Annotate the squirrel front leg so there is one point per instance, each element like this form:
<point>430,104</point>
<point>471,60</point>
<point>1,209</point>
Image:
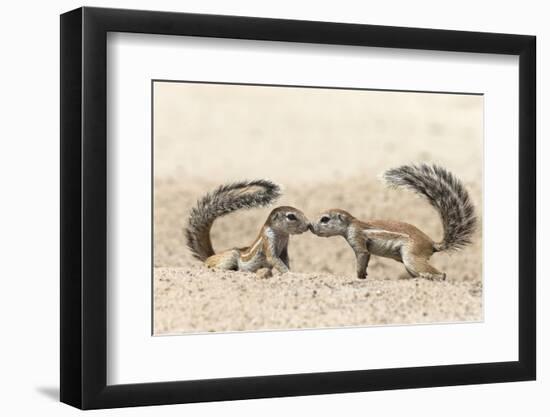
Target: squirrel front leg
<point>360,245</point>
<point>274,260</point>
<point>362,264</point>
<point>278,264</point>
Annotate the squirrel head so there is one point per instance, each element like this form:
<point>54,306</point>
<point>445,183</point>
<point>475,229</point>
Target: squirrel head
<point>333,222</point>
<point>289,220</point>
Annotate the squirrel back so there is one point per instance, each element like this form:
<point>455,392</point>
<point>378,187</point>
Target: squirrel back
<point>223,200</point>
<point>446,194</point>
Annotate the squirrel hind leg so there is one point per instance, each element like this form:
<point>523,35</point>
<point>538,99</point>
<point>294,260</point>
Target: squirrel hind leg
<point>419,267</point>
<point>228,260</point>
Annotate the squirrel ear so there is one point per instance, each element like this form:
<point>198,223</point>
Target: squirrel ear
<point>342,217</point>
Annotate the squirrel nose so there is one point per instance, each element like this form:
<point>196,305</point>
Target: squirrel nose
<point>310,227</point>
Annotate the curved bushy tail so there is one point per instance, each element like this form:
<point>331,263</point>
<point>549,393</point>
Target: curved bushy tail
<point>446,194</point>
<point>224,200</point>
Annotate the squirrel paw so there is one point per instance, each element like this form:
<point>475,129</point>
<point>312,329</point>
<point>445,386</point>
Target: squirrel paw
<point>264,273</point>
<point>433,277</point>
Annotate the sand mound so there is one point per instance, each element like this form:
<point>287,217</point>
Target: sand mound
<point>198,300</point>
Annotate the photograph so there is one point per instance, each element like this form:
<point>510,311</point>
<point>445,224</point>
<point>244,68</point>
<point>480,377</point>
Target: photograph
<point>282,207</point>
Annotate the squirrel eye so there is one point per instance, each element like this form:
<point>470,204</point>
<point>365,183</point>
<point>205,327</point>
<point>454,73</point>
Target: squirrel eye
<point>291,216</point>
<point>325,219</point>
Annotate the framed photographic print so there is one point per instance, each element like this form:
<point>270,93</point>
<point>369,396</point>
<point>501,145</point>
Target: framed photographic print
<point>256,207</point>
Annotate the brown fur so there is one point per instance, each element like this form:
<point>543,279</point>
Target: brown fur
<point>225,199</point>
<point>270,249</point>
<point>400,241</point>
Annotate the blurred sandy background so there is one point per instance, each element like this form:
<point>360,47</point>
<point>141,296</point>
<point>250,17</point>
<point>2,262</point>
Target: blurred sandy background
<point>327,149</point>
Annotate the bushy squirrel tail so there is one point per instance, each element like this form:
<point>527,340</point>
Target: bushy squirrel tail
<point>223,200</point>
<point>446,194</point>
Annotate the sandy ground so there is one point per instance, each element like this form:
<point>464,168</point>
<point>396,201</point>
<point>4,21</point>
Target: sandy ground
<point>326,148</point>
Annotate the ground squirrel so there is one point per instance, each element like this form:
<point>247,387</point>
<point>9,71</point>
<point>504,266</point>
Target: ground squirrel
<point>402,241</point>
<point>269,250</point>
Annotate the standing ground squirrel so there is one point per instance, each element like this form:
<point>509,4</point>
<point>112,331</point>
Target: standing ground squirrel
<point>269,250</point>
<point>402,241</point>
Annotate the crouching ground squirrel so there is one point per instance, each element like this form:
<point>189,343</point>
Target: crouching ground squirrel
<point>269,250</point>
<point>402,241</point>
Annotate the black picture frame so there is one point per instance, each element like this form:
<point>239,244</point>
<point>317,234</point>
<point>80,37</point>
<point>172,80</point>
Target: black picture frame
<point>84,207</point>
